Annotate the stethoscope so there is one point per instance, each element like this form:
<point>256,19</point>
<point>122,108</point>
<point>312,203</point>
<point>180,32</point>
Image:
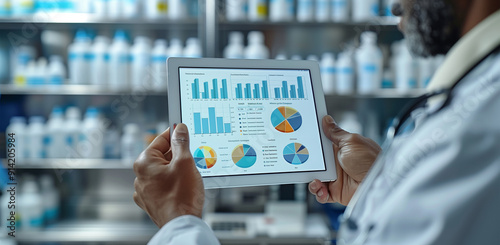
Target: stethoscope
<point>347,221</point>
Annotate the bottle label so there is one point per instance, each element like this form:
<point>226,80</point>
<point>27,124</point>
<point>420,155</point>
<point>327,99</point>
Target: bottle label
<point>162,7</point>
<point>73,56</point>
<point>36,222</point>
<point>329,70</point>
<point>262,10</point>
<point>346,70</point>
<point>158,59</point>
<point>370,68</point>
<point>339,4</point>
<point>105,56</point>
<point>412,83</point>
<point>51,214</point>
<point>58,80</point>
<point>375,9</point>
<point>89,56</point>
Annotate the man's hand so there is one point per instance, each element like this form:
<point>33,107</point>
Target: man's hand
<point>168,184</point>
<point>354,155</point>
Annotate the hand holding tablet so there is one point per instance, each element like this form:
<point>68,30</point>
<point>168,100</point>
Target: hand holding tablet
<point>252,122</point>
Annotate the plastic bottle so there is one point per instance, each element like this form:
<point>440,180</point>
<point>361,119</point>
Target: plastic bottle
<point>235,48</point>
<point>36,138</point>
<point>387,8</point>
<point>177,9</point>
<point>312,57</point>
<point>57,71</point>
<point>280,56</point>
<point>322,10</point>
<point>281,10</point>
<point>141,57</point>
<point>22,8</point>
<point>119,62</point>
<point>406,68</point>
<point>175,49</point>
<point>350,123</point>
<point>50,200</point>
<point>101,8</point>
<point>235,10</point>
<point>257,10</point>
<point>17,128</point>
<point>131,144</point>
<point>159,64</point>
<point>130,8</point>
<point>41,73</point>
<point>100,61</point>
<point>31,78</point>
<point>369,62</point>
<point>305,10</point>
<point>55,134</point>
<point>156,9</point>
<point>426,71</point>
<point>92,137</point>
<point>365,10</point>
<point>328,73</point>
<point>256,48</point>
<point>73,130</point>
<point>296,57</point>
<point>345,73</point>
<point>79,59</point>
<point>5,8</point>
<point>340,10</point>
<point>30,205</point>
<point>115,10</point>
<point>22,56</point>
<point>193,48</point>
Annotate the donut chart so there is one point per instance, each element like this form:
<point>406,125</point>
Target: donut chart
<point>244,156</point>
<point>286,119</point>
<point>205,157</point>
<point>295,153</point>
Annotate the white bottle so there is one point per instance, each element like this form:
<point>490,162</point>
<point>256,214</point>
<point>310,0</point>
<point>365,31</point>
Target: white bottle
<point>119,62</point>
<point>350,123</point>
<point>56,134</point>
<point>42,71</point>
<point>130,8</point>
<point>57,71</point>
<point>30,206</point>
<point>369,61</point>
<point>159,64</point>
<point>256,48</point>
<point>115,10</point>
<point>426,71</point>
<point>156,9</point>
<point>5,8</point>
<point>257,10</point>
<point>23,8</point>
<point>175,49</point>
<point>73,130</point>
<point>345,73</point>
<point>193,48</point>
<point>322,10</point>
<point>281,56</point>
<point>305,10</point>
<point>340,10</point>
<point>91,144</point>
<point>50,200</point>
<point>141,57</point>
<point>100,61</point>
<point>101,8</point>
<point>235,10</point>
<point>31,70</point>
<point>131,144</point>
<point>36,138</point>
<point>312,57</point>
<point>17,129</point>
<point>281,10</point>
<point>387,8</point>
<point>177,9</point>
<point>235,48</point>
<point>328,73</point>
<point>79,59</point>
<point>365,10</point>
<point>296,57</point>
<point>406,70</point>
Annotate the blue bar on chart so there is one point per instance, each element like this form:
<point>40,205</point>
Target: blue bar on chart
<point>215,91</point>
<point>248,91</point>
<point>300,89</point>
<point>205,94</point>
<point>256,91</point>
<point>284,89</point>
<point>277,93</point>
<point>238,91</point>
<point>196,88</point>
<point>290,91</point>
<point>293,94</point>
<point>223,90</point>
<point>265,94</point>
<point>208,93</point>
<point>197,123</point>
<point>252,92</point>
<point>211,125</point>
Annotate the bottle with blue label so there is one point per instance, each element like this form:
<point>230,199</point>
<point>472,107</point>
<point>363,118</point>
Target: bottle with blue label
<point>369,62</point>
<point>257,10</point>
<point>5,8</point>
<point>328,73</point>
<point>37,137</point>
<point>406,69</point>
<point>345,73</point>
<point>73,129</point>
<point>51,200</point>
<point>236,10</point>
<point>305,10</point>
<point>92,135</point>
<point>365,10</point>
<point>340,10</point>
<point>23,8</point>
<point>119,62</point>
<point>99,61</point>
<point>281,10</point>
<point>79,58</point>
<point>322,10</point>
<point>56,147</point>
<point>159,64</point>
<point>30,205</point>
<point>141,58</point>
<point>57,71</point>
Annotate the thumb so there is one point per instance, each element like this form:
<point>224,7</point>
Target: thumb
<point>333,131</point>
<point>180,142</point>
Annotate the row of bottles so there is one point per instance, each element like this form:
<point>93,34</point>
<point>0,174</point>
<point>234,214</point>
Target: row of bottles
<point>307,10</point>
<point>256,48</point>
<point>106,9</point>
<point>65,135</point>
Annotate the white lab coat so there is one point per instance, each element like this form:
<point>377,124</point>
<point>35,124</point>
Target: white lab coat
<point>439,185</point>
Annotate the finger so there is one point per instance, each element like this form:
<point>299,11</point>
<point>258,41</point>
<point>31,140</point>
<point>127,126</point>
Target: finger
<point>168,155</point>
<point>314,186</point>
<point>138,200</point>
<point>180,142</point>
<point>161,143</point>
<point>333,131</point>
<point>323,196</point>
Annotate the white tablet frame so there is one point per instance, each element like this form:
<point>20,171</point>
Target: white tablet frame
<point>174,112</point>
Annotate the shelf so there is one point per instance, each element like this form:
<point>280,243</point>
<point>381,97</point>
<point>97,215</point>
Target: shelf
<point>244,25</point>
<point>381,94</point>
<point>70,163</point>
<point>71,19</point>
<point>67,89</point>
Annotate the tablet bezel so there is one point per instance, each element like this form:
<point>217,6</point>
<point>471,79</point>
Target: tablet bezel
<point>173,65</point>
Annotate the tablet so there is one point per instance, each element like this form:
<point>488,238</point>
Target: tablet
<point>252,122</point>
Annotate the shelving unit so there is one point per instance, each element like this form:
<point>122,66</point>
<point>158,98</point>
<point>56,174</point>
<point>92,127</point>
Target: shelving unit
<point>67,89</point>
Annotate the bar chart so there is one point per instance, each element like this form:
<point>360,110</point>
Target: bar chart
<point>211,89</point>
<point>251,90</point>
<point>211,120</point>
<point>288,88</point>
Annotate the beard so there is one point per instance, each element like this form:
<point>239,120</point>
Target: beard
<point>432,27</point>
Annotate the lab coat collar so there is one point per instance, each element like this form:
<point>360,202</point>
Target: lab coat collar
<point>467,52</point>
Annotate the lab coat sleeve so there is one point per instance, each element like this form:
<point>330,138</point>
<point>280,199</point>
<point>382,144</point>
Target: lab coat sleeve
<point>186,230</point>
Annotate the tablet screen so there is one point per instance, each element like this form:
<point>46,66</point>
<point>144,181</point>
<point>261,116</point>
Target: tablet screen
<point>251,121</point>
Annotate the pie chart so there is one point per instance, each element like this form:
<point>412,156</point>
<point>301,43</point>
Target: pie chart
<point>205,157</point>
<point>286,119</point>
<point>244,156</point>
<point>295,153</point>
